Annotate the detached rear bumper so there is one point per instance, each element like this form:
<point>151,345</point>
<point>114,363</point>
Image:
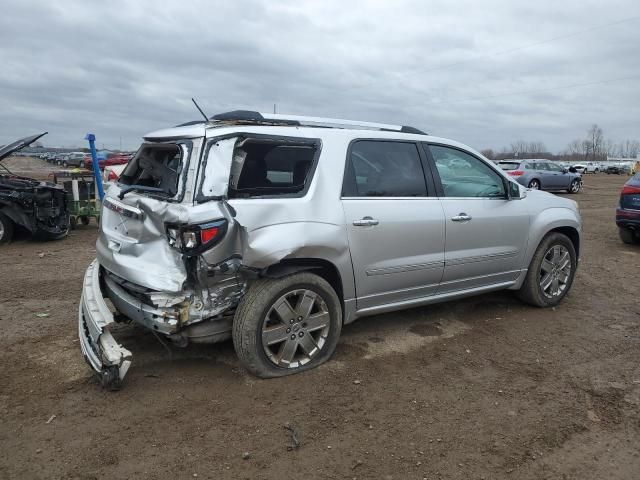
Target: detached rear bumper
<point>109,359</point>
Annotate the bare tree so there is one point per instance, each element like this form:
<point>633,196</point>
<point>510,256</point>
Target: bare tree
<point>487,152</point>
<point>595,141</point>
<point>519,147</point>
<point>536,148</point>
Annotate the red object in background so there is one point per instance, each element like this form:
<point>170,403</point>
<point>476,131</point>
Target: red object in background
<point>112,159</point>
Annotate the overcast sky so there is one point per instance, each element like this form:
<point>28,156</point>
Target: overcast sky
<point>481,72</point>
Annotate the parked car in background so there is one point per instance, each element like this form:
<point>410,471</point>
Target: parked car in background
<point>581,168</point>
<point>39,207</point>
<point>628,211</point>
<point>275,232</point>
<point>542,175</point>
<point>73,159</point>
<point>591,167</point>
<point>614,170</point>
<point>111,159</point>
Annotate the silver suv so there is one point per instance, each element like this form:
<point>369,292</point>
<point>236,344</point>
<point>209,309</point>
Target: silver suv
<point>276,231</point>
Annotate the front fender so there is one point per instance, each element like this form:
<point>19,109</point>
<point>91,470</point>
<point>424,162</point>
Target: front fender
<point>546,221</point>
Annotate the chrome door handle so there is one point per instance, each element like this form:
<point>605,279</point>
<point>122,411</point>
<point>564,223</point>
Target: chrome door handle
<point>461,217</point>
<point>365,222</point>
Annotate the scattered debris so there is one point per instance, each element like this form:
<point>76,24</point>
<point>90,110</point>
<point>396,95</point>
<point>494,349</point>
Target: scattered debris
<point>357,382</point>
<point>50,419</point>
<point>42,314</point>
<point>356,465</point>
<point>295,442</point>
<point>246,456</point>
<point>152,375</point>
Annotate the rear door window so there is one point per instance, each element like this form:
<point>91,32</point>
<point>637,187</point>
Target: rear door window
<point>384,169</point>
<point>272,167</point>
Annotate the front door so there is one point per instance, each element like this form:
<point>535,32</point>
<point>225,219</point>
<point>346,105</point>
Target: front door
<point>486,234</point>
<point>396,231</point>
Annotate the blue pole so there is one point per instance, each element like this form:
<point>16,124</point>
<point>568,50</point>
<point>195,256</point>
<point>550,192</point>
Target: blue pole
<point>94,163</point>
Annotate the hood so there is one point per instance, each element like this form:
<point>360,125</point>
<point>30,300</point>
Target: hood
<point>9,148</point>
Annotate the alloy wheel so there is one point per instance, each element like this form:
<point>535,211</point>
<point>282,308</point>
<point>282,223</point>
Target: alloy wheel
<point>555,271</point>
<point>534,185</point>
<point>575,186</point>
<point>295,328</point>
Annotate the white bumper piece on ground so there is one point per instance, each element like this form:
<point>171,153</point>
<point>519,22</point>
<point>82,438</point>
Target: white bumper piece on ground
<point>109,359</point>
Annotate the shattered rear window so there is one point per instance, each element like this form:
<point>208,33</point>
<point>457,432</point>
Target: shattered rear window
<point>155,165</point>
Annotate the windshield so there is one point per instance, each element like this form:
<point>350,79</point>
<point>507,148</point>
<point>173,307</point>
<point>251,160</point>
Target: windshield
<point>157,166</point>
<point>506,166</point>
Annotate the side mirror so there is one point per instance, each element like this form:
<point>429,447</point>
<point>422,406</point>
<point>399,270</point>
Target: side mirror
<point>514,191</point>
<point>565,170</point>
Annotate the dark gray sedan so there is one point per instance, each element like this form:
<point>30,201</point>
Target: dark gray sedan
<point>542,175</point>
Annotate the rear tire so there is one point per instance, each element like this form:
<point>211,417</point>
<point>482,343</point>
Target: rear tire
<point>6,229</point>
<point>257,314</point>
<point>540,269</point>
<point>534,184</point>
<point>627,236</point>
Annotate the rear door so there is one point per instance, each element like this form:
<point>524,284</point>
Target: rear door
<point>486,234</point>
<point>395,229</point>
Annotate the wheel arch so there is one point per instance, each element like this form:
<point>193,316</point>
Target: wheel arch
<point>321,267</point>
<point>560,220</point>
<point>573,235</point>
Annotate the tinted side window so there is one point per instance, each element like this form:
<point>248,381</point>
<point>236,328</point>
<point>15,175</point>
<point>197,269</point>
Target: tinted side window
<point>463,175</point>
<point>384,169</point>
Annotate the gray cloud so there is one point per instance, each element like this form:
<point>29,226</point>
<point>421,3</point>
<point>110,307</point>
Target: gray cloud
<point>484,73</point>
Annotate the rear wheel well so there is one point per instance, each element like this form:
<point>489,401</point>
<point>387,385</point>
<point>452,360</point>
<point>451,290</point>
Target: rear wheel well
<point>573,235</point>
<point>322,268</point>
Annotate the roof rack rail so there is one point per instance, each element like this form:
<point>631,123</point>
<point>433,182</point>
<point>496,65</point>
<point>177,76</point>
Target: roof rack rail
<point>257,118</point>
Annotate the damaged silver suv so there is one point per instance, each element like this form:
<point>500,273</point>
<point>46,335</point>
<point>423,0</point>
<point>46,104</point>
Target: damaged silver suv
<point>276,231</point>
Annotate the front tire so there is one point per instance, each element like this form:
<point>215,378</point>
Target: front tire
<point>574,187</point>
<point>550,273</point>
<point>6,229</point>
<point>287,325</point>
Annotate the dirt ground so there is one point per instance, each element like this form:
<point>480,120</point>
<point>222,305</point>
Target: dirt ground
<point>484,388</point>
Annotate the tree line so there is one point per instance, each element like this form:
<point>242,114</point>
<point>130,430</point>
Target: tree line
<point>594,147</point>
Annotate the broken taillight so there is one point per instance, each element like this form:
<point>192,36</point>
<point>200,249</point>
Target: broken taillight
<point>515,173</point>
<point>194,239</point>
